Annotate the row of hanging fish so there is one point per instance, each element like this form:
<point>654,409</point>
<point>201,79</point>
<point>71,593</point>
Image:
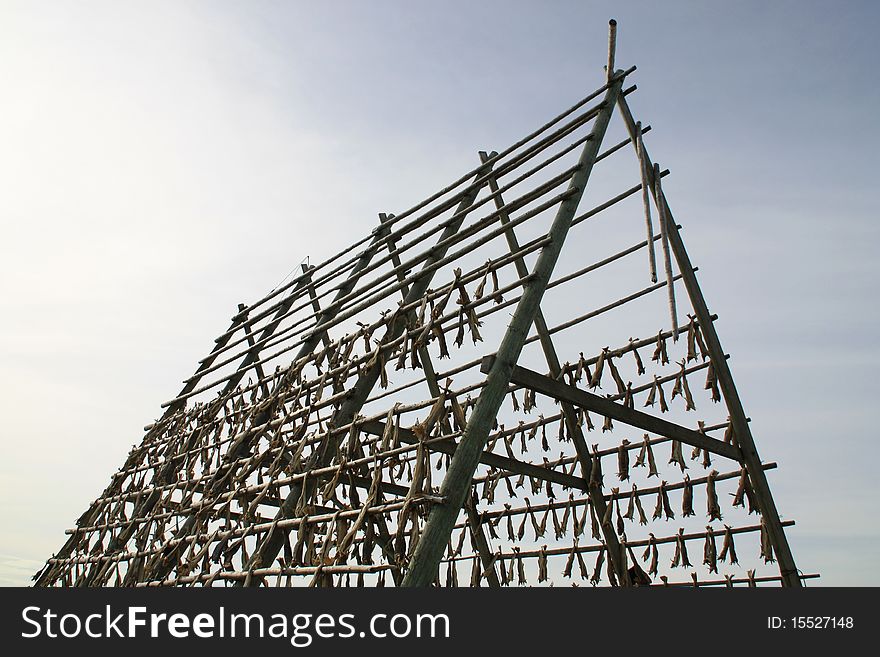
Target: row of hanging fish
<point>511,569</point>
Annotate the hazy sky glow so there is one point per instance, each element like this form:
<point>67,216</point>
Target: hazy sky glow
<point>163,161</point>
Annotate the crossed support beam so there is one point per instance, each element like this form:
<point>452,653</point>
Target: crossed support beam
<point>752,461</point>
<point>479,536</point>
<point>162,565</point>
<point>358,395</point>
<point>457,482</point>
<point>502,369</point>
<point>251,359</point>
<point>47,574</point>
<point>569,414</point>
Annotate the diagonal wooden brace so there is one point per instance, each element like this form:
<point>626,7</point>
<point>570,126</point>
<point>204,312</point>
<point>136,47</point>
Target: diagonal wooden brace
<point>587,400</point>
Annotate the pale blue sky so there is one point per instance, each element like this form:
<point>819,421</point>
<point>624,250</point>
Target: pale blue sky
<point>164,161</point>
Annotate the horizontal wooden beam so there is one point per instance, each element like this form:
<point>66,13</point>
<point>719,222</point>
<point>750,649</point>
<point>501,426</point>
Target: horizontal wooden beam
<point>360,482</point>
<point>377,428</point>
<point>583,399</point>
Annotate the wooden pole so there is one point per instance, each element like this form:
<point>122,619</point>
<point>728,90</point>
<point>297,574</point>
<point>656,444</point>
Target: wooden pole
<point>457,482</point>
<point>583,399</point>
<point>480,540</point>
<point>569,414</point>
<point>646,205</point>
<point>161,567</point>
<point>751,459</point>
<point>664,241</point>
<point>268,549</point>
<point>612,48</point>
